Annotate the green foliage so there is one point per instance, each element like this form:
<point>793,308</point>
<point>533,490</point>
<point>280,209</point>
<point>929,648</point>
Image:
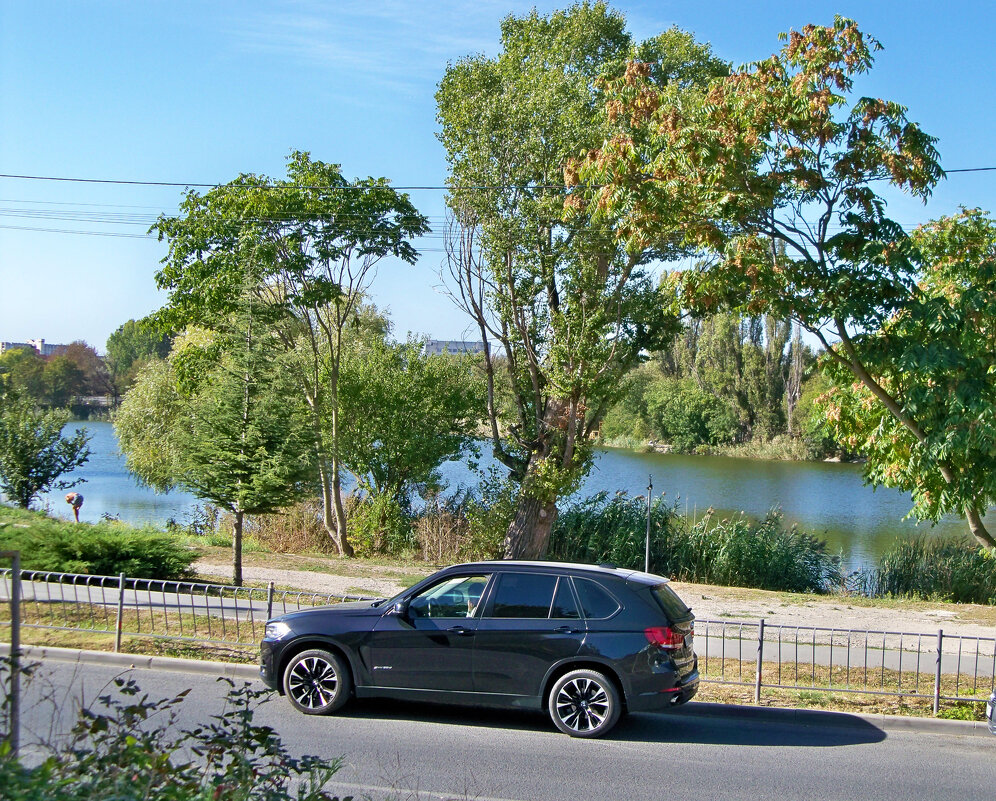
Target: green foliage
<point>489,514</point>
<point>379,525</point>
<point>932,569</point>
<point>686,416</point>
<point>100,549</point>
<point>33,453</point>
<point>731,552</point>
<point>935,357</point>
<point>128,747</point>
<point>130,347</point>
<point>572,309</point>
<point>406,412</point>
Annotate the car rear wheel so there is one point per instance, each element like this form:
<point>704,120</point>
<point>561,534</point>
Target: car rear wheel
<point>317,682</point>
<point>584,703</point>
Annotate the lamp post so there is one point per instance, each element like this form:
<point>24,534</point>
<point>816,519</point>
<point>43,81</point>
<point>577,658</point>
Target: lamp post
<point>646,558</point>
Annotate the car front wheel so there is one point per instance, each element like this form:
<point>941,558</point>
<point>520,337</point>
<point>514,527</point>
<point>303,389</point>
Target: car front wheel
<point>584,703</point>
<point>317,682</point>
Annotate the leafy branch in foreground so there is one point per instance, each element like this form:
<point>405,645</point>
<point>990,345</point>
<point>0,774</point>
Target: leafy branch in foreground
<point>127,747</point>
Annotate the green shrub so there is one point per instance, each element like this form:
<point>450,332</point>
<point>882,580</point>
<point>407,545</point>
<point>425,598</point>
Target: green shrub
<point>737,552</point>
<point>100,549</point>
<point>129,748</point>
<point>932,569</point>
<point>688,417</point>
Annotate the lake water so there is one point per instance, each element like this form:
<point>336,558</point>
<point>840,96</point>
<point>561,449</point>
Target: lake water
<point>828,499</point>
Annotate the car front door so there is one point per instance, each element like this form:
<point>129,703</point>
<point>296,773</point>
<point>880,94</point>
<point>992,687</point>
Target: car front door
<point>530,622</point>
<point>430,646</point>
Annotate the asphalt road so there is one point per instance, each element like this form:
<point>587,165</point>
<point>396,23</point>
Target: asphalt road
<point>427,752</point>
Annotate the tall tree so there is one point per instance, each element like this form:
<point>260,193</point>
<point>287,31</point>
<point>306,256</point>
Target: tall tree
<point>570,309</point>
<point>235,429</point>
<point>307,248</point>
<point>34,454</point>
<point>781,151</point>
<point>130,346</point>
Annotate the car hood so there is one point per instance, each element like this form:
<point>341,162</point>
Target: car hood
<point>347,608</point>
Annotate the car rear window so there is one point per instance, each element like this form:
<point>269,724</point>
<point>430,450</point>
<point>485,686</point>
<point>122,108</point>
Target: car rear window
<point>596,603</point>
<point>673,606</point>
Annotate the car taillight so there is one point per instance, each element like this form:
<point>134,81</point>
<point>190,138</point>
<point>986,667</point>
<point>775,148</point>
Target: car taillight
<point>665,637</point>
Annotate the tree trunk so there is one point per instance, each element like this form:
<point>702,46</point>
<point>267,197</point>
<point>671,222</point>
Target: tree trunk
<point>978,528</point>
<point>529,534</point>
<point>237,548</point>
<point>332,508</point>
<point>345,549</point>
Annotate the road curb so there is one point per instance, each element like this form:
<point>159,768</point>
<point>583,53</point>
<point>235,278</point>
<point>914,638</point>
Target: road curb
<point>823,718</point>
<point>702,709</point>
<point>229,670</point>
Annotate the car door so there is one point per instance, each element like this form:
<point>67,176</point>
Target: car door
<point>430,646</point>
<point>530,621</point>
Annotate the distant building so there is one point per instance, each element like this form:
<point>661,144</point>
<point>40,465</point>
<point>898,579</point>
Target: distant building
<point>44,348</point>
<point>436,347</point>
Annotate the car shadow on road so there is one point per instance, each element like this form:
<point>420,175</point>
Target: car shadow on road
<point>696,723</point>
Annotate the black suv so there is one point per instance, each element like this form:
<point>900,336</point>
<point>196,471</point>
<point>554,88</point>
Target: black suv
<point>586,643</point>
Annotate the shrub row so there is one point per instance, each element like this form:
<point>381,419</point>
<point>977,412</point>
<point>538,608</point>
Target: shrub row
<point>101,549</point>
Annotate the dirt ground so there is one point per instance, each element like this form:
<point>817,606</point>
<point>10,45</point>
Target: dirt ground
<point>357,577</point>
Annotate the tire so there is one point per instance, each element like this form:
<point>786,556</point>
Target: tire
<point>584,703</point>
<point>317,682</point>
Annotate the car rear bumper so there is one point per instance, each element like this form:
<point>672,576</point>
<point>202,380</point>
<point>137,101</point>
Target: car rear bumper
<point>682,692</point>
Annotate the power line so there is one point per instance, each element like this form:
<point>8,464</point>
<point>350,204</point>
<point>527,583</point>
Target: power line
<point>425,188</point>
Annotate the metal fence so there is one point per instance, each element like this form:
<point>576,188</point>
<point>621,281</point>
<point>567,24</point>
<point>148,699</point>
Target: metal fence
<point>748,654</point>
<point>812,658</point>
<point>172,610</point>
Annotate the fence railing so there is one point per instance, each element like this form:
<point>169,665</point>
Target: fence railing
<point>938,666</point>
<point>170,610</point>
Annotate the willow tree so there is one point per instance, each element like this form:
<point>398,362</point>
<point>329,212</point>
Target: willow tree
<point>307,248</point>
<point>568,308</point>
<point>782,153</point>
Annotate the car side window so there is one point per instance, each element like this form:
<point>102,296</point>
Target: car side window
<point>456,596</point>
<point>523,595</point>
<point>564,605</point>
<point>596,602</point>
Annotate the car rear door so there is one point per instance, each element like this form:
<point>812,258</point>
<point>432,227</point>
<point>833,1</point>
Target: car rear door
<point>530,621</point>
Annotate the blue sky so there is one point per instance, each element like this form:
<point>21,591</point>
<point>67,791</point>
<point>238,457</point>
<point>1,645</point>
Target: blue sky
<point>200,91</point>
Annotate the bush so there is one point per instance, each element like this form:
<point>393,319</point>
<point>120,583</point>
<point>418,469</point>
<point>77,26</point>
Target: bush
<point>932,569</point>
<point>129,748</point>
<point>735,552</point>
<point>101,549</point>
<point>688,417</point>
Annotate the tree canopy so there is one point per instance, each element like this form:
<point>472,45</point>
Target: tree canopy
<point>305,248</point>
<point>569,308</point>
<point>780,154</point>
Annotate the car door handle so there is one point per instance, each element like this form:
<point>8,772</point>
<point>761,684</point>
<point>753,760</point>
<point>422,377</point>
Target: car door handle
<point>565,630</point>
<point>463,631</point>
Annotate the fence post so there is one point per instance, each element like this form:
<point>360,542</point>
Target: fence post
<point>117,627</point>
<point>14,696</point>
<point>760,659</point>
<point>937,672</point>
<point>269,600</point>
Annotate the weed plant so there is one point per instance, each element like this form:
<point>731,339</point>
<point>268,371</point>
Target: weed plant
<point>127,747</point>
<point>734,552</point>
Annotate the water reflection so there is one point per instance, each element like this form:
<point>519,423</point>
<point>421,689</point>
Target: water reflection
<point>826,498</point>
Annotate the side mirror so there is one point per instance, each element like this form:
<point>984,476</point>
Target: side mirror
<point>400,609</point>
